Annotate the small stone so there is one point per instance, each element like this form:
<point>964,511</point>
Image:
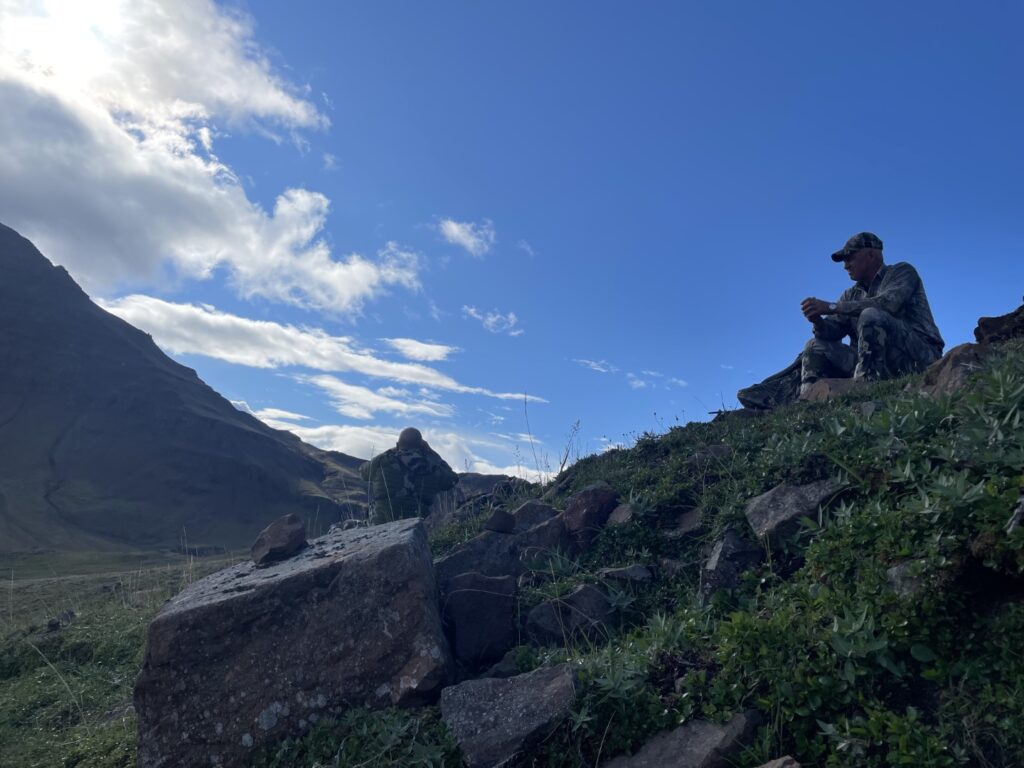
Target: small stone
<point>500,522</point>
<point>621,514</point>
<point>588,511</point>
<point>824,390</point>
<point>506,667</point>
<point>532,513</point>
<point>776,514</point>
<point>671,568</point>
<point>689,523</point>
<point>280,540</point>
<point>903,579</point>
<point>782,762</point>
<point>697,744</point>
<point>584,612</point>
<point>630,573</point>
<point>728,559</point>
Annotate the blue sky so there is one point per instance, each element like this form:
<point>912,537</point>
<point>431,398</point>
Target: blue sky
<point>614,209</point>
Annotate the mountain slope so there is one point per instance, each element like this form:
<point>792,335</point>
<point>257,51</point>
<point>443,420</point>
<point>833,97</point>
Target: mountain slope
<point>107,442</point>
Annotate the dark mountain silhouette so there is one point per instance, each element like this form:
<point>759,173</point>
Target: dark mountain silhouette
<point>105,442</point>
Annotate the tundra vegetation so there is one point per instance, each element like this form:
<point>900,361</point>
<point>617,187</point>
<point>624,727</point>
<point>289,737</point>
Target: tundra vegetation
<point>884,632</point>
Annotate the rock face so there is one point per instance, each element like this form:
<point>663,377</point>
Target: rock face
<point>494,720</point>
<point>279,540</point>
<point>994,329</point>
<point>950,372</point>
<point>583,612</point>
<point>728,559</point>
<point>245,656</point>
<point>478,614</point>
<point>776,514</point>
<point>697,744</point>
<point>587,512</point>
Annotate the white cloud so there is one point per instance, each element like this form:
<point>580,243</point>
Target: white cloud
<point>203,330</point>
<point>527,248</point>
<point>363,403</point>
<point>601,366</point>
<point>725,367</point>
<point>495,321</point>
<point>678,382</point>
<point>635,382</point>
<point>477,239</point>
<point>423,351</point>
<point>330,162</point>
<point>111,113</point>
<point>278,413</point>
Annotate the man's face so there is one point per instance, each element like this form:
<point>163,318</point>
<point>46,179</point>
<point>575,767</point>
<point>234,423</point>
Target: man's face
<point>860,265</point>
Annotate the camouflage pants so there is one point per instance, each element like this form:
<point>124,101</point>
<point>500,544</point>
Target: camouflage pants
<point>885,348</point>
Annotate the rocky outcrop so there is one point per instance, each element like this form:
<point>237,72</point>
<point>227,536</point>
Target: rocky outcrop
<point>728,559</point>
<point>280,540</point>
<point>950,372</point>
<point>776,514</point>
<point>248,656</point>
<point>584,612</point>
<point>478,614</point>
<point>697,744</point>
<point>995,329</point>
<point>495,720</point>
<point>587,512</point>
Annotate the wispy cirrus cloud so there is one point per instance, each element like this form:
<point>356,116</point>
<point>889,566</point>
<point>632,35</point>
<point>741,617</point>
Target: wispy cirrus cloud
<point>364,403</point>
<point>476,239</point>
<point>204,330</point>
<point>423,351</point>
<point>494,321</point>
<point>128,100</point>
<point>601,366</point>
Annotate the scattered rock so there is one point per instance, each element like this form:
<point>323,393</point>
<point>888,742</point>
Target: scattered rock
<point>532,513</point>
<point>60,621</point>
<point>782,762</point>
<point>1011,525</point>
<point>870,408</point>
<point>623,513</point>
<point>478,615</point>
<point>776,514</point>
<point>709,455</point>
<point>245,656</point>
<point>689,523</point>
<point>506,667</point>
<point>587,512</point>
<point>494,720</point>
<point>950,372</point>
<point>631,573</point>
<point>728,558</point>
<point>500,522</point>
<point>671,568</point>
<point>279,540</point>
<point>824,390</point>
<point>905,578</point>
<point>583,612</point>
<point>995,329</point>
<point>697,744</point>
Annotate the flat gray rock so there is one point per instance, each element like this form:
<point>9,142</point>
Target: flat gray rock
<point>247,656</point>
<point>494,720</point>
<point>697,744</point>
<point>777,513</point>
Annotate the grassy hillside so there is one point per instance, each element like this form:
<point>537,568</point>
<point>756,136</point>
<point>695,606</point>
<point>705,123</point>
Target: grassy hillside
<point>846,670</point>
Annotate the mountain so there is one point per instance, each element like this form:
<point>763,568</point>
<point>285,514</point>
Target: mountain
<point>105,442</point>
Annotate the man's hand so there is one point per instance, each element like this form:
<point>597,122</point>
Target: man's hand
<point>813,309</point>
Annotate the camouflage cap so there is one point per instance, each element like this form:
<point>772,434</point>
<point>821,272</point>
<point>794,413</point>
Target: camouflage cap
<point>855,243</point>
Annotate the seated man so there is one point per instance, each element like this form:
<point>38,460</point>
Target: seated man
<point>405,479</point>
<point>885,314</point>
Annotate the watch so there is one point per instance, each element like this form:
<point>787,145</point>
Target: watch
<point>832,307</point>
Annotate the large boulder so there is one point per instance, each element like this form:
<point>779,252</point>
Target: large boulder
<point>280,540</point>
<point>995,329</point>
<point>697,744</point>
<point>950,372</point>
<point>478,613</point>
<point>588,511</point>
<point>494,720</point>
<point>824,390</point>
<point>248,656</point>
<point>583,612</point>
<point>776,514</point>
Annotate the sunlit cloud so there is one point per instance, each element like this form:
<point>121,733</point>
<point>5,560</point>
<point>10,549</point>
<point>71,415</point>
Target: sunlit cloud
<point>423,351</point>
<point>495,321</point>
<point>601,366</point>
<point>477,239</point>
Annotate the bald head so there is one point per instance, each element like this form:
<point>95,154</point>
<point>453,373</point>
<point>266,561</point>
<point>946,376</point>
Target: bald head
<point>410,438</point>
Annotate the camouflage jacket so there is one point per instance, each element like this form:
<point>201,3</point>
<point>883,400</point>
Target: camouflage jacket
<point>896,289</point>
<point>403,483</point>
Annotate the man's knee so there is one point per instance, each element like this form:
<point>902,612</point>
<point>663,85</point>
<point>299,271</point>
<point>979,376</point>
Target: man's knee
<point>873,316</point>
<point>815,346</point>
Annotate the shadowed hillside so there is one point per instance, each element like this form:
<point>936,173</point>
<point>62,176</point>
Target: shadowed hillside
<point>105,442</point>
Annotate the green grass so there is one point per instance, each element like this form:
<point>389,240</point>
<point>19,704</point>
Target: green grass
<point>844,670</point>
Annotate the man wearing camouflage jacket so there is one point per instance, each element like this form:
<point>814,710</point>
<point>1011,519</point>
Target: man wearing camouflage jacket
<point>405,479</point>
<point>885,314</point>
